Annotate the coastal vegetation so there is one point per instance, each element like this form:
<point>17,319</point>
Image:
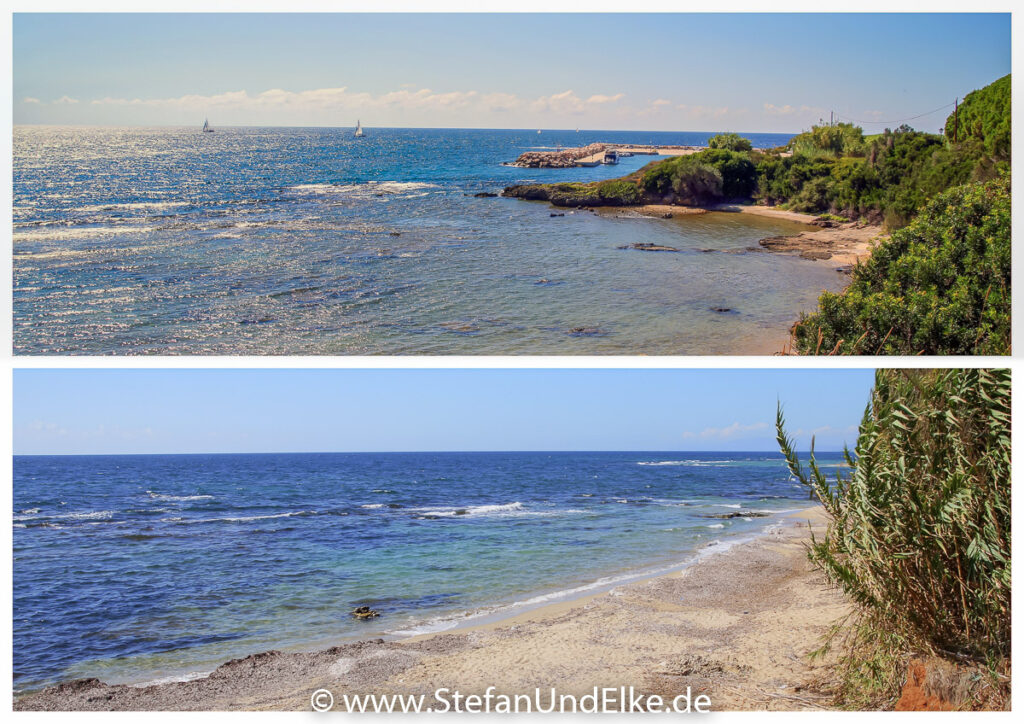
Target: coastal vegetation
<point>730,142</point>
<point>938,286</point>
<point>919,538</point>
<point>834,168</point>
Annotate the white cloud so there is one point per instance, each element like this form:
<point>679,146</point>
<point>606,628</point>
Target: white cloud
<point>606,99</point>
<point>826,430</point>
<point>342,98</point>
<point>30,99</point>
<point>788,110</point>
<point>727,432</point>
<point>710,111</point>
<point>66,101</point>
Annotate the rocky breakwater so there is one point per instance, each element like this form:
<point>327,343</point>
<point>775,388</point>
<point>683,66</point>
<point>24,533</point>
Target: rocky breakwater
<point>562,158</point>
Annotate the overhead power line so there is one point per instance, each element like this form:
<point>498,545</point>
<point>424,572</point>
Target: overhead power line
<point>902,120</point>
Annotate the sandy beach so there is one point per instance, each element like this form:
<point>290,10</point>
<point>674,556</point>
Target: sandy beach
<point>841,244</point>
<point>736,625</point>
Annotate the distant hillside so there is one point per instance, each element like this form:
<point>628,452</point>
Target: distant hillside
<point>984,118</point>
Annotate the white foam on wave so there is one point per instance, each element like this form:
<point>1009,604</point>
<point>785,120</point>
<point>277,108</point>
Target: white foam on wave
<point>80,232</point>
<point>685,463</point>
<point>80,515</point>
<point>368,189</point>
<point>239,519</point>
<point>138,205</point>
<point>162,496</point>
<point>176,679</point>
<point>473,510</point>
<point>372,505</point>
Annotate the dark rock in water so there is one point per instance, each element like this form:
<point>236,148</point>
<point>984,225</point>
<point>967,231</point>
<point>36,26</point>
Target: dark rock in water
<point>643,246</point>
<point>364,612</point>
<point>722,310</point>
<point>586,332</point>
<point>484,195</point>
<point>394,233</point>
<point>848,269</point>
<point>741,514</point>
<point>379,196</point>
<point>666,216</point>
<point>809,254</point>
<point>558,214</point>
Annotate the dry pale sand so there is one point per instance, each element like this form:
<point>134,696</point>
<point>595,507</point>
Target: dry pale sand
<point>738,625</point>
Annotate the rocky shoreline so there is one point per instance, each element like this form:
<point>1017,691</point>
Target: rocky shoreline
<point>842,243</point>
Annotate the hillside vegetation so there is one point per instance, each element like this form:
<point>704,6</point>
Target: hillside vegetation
<point>941,285</point>
<point>919,536</point>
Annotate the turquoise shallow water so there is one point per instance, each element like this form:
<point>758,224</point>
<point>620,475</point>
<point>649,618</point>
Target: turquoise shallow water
<point>307,241</point>
<point>135,568</point>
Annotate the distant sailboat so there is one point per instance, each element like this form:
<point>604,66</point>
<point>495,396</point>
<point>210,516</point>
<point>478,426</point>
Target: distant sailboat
<point>538,131</point>
<point>359,130</point>
<point>206,126</point>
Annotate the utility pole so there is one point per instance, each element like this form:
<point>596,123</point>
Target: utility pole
<point>956,117</point>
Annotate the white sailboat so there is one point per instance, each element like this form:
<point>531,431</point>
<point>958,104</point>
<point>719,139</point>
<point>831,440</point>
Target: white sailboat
<point>359,130</point>
<point>206,126</point>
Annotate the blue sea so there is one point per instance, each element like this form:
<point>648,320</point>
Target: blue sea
<point>144,568</point>
<point>309,241</point>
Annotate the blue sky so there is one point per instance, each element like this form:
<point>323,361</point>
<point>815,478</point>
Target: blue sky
<point>687,72</point>
<point>90,411</point>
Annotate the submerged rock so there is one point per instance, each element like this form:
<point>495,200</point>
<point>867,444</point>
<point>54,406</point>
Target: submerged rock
<point>644,246</point>
<point>741,514</point>
<point>484,195</point>
<point>586,332</point>
<point>364,612</point>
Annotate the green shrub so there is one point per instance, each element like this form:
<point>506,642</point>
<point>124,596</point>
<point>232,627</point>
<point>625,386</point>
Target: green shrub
<point>832,140</point>
<point>939,286</point>
<point>697,183</point>
<point>984,118</point>
<point>919,531</point>
<point>738,172</point>
<point>730,142</point>
<point>624,193</point>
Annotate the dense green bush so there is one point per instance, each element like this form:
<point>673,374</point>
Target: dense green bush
<point>689,176</point>
<point>939,286</point>
<point>624,193</point>
<point>739,174</point>
<point>919,530</point>
<point>831,140</point>
<point>729,142</point>
<point>984,118</point>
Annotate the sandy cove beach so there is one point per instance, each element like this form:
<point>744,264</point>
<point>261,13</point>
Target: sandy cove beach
<point>736,625</point>
<point>841,244</point>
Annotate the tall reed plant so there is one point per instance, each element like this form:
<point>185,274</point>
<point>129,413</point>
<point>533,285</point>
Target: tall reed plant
<point>919,529</point>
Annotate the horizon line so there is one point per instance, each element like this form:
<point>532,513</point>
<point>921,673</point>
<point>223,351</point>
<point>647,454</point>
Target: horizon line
<point>529,129</point>
<point>394,452</point>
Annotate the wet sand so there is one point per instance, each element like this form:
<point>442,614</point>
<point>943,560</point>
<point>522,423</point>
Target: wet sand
<point>737,625</point>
